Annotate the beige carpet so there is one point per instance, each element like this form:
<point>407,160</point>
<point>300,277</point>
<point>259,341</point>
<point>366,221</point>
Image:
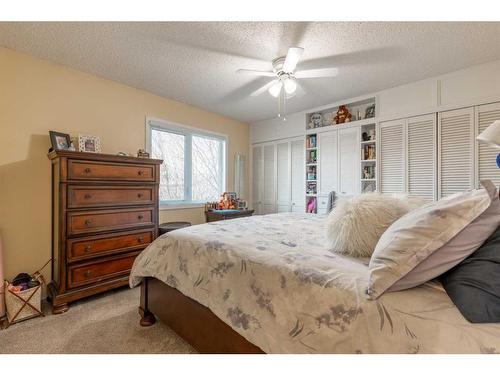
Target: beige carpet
<point>108,323</point>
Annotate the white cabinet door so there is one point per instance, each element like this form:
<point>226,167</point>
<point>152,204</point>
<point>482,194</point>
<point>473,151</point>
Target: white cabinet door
<point>349,161</point>
<point>283,177</point>
<point>269,191</point>
<point>392,156</point>
<point>328,162</point>
<point>257,178</point>
<point>486,155</point>
<point>456,151</point>
<point>298,175</point>
<point>421,146</point>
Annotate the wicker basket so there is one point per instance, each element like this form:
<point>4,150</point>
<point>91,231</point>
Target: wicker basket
<point>23,305</point>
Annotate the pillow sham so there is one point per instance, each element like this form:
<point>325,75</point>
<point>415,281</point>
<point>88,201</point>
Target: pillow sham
<point>355,225</point>
<point>474,284</point>
<point>420,233</point>
<point>458,248</point>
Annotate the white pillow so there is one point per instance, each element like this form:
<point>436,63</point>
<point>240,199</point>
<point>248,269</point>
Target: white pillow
<point>420,233</point>
<point>355,225</point>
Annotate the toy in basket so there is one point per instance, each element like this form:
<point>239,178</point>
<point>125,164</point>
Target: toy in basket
<point>23,297</point>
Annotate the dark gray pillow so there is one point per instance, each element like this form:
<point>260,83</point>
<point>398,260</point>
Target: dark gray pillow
<point>474,284</point>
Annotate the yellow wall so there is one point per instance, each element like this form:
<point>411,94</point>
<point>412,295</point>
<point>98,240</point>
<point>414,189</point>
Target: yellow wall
<point>37,96</point>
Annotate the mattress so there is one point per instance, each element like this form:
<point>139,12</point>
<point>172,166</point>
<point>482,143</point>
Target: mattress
<point>274,281</point>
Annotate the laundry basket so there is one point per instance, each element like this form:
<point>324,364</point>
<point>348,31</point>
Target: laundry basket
<point>23,305</point>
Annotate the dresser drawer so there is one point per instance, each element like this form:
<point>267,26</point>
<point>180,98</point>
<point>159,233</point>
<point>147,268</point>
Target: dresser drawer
<point>88,196</point>
<point>108,171</point>
<point>108,220</point>
<point>89,247</point>
<point>89,273</point>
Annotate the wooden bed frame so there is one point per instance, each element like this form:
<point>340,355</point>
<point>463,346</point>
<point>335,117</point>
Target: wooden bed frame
<point>195,323</point>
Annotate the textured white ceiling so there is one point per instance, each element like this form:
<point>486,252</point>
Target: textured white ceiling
<point>196,62</point>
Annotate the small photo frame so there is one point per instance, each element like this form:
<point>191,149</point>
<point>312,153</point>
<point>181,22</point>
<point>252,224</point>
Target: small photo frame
<point>370,111</point>
<point>59,141</point>
<point>89,143</point>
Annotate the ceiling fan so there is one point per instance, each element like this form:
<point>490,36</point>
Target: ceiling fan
<point>284,83</point>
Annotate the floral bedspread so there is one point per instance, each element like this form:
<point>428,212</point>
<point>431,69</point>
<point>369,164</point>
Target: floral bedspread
<point>273,280</point>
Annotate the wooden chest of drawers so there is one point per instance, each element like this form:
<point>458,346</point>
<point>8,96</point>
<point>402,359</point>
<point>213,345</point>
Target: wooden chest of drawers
<point>104,212</point>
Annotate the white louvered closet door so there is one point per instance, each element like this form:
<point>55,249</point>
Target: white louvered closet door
<point>298,175</point>
<point>328,162</point>
<point>456,151</point>
<point>392,156</point>
<point>422,158</point>
<point>269,194</point>
<point>257,178</point>
<point>486,155</point>
<point>283,177</point>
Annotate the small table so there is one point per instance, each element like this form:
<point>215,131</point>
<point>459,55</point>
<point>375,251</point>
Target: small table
<point>216,215</point>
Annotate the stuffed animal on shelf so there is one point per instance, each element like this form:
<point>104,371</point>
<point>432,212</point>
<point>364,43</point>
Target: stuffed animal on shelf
<point>227,202</point>
<point>343,115</point>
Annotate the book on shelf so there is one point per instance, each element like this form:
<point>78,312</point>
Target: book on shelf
<point>369,152</point>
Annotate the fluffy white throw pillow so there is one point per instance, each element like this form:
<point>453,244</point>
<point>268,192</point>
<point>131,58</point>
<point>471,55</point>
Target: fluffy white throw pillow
<point>355,225</point>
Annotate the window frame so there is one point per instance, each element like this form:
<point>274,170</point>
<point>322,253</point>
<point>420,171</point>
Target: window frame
<point>188,132</point>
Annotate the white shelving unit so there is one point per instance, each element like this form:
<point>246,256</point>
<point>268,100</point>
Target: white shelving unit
<point>311,173</point>
<point>368,143</point>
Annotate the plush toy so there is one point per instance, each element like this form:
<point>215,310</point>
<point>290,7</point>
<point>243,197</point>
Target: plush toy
<point>343,115</point>
<point>311,206</point>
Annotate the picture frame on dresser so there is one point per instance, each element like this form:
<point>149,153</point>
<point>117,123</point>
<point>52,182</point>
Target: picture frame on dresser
<point>104,213</point>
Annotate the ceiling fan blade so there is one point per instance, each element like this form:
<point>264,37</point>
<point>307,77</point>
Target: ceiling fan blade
<point>315,73</point>
<point>256,72</point>
<point>264,88</point>
<point>292,58</point>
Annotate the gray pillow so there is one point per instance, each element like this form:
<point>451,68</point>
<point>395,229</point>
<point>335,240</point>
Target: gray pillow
<point>474,285</point>
<point>460,247</point>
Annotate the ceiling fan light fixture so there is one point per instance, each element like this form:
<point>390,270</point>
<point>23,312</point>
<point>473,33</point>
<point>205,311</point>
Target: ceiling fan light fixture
<point>290,85</point>
<point>275,89</point>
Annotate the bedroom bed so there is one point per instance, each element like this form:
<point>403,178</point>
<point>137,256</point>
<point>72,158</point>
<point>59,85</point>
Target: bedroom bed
<point>268,284</point>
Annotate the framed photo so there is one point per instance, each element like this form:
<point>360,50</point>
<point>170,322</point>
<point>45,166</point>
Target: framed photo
<point>59,141</point>
<point>370,111</point>
<point>89,143</point>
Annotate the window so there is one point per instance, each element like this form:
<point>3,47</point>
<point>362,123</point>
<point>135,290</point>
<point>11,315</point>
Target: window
<point>193,169</point>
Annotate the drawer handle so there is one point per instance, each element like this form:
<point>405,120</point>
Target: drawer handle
<point>87,196</point>
<point>88,222</point>
<point>140,217</point>
<point>140,195</point>
<point>88,248</point>
<point>140,173</point>
<point>87,274</point>
<point>87,170</point>
<point>140,239</point>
